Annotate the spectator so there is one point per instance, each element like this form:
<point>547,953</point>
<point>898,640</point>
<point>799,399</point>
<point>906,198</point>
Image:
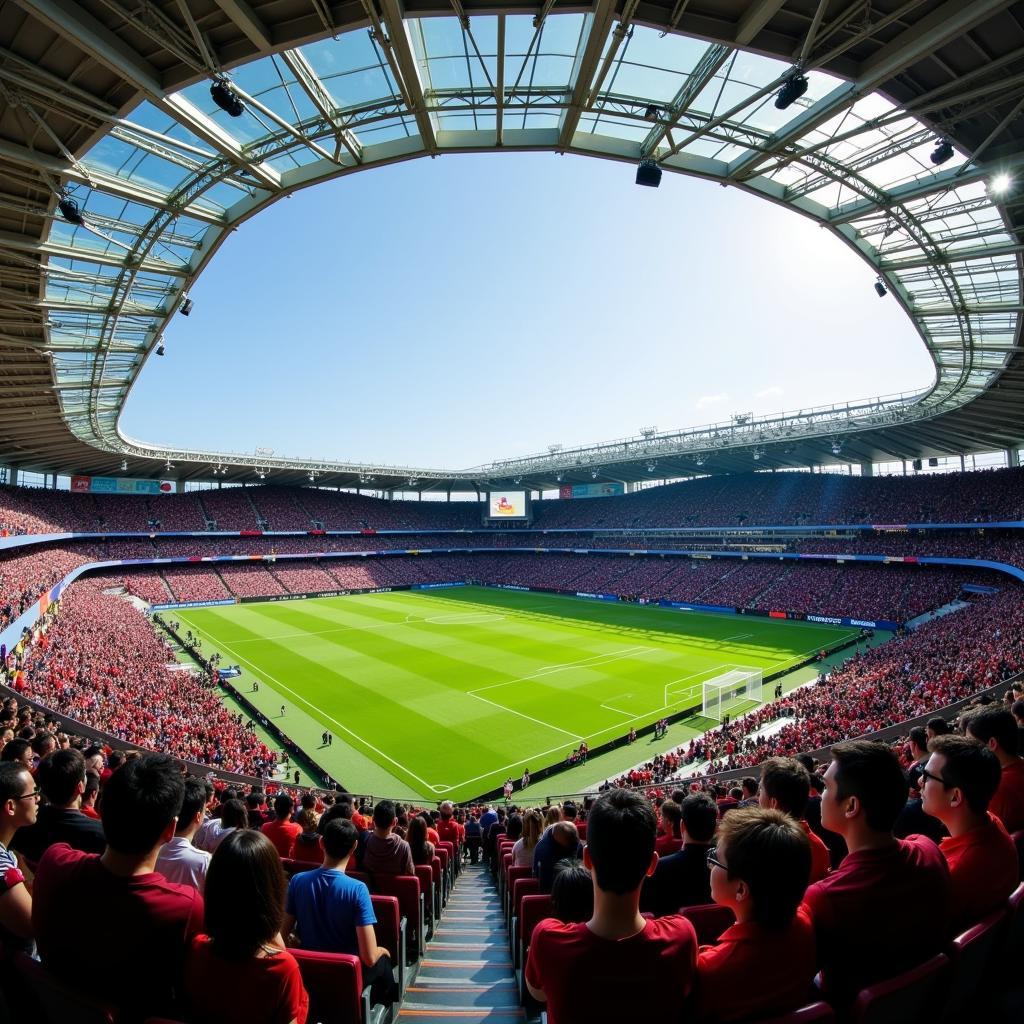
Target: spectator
<point>61,777</point>
<point>179,861</point>
<point>681,879</point>
<point>448,829</point>
<point>522,851</point>
<point>491,838</point>
<point>559,842</point>
<point>749,787</point>
<point>572,892</point>
<point>786,786</point>
<point>420,846</point>
<point>233,814</point>
<point>958,784</point>
<point>19,800</point>
<point>475,838</point>
<point>670,838</point>
<point>881,879</point>
<point>618,965</point>
<point>91,794</point>
<point>996,729</point>
<point>121,897</point>
<point>332,913</point>
<point>282,831</point>
<point>765,963</point>
<point>20,751</point>
<point>307,846</point>
<point>918,745</point>
<point>384,851</point>
<point>239,972</point>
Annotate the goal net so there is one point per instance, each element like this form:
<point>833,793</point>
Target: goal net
<point>732,693</point>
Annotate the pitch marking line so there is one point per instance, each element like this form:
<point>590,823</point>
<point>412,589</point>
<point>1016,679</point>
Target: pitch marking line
<point>529,718</point>
<point>592,662</point>
<point>738,636</point>
<point>607,706</point>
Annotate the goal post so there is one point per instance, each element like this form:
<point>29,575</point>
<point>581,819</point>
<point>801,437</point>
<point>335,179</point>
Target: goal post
<point>732,693</point>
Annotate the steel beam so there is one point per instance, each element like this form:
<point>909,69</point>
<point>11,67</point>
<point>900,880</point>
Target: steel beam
<point>393,15</point>
<point>588,57</point>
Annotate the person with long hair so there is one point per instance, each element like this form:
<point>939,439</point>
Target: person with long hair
<point>239,970</point>
<point>522,851</point>
<point>422,848</point>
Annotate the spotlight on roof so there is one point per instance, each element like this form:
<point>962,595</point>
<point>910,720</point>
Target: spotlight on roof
<point>69,210</point>
<point>757,454</point>
<point>942,152</point>
<point>593,474</point>
<point>999,184</point>
<point>124,465</point>
<point>837,447</point>
<point>793,88</point>
<point>648,173</point>
<point>186,307</point>
<point>651,467</point>
<point>699,460</point>
<point>168,465</point>
<point>226,98</point>
<point>160,350</point>
<point>652,113</point>
<point>559,478</point>
<point>518,480</point>
<point>881,289</point>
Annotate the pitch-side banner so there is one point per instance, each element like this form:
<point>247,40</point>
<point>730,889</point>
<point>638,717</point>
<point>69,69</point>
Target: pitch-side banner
<point>120,485</point>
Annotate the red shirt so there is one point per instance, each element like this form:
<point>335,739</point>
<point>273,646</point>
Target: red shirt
<point>983,871</point>
<point>1008,803</point>
<point>754,971</point>
<point>667,844</point>
<point>854,908</point>
<point>449,831</point>
<point>259,990</point>
<point>587,978</point>
<point>821,859</point>
<point>282,834</point>
<point>143,924</point>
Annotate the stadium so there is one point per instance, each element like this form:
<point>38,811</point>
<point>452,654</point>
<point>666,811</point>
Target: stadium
<point>308,739</point>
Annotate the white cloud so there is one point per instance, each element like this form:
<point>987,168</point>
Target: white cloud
<point>705,401</point>
<point>773,392</point>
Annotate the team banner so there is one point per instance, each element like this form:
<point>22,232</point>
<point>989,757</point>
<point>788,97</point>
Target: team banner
<point>591,490</point>
<point>120,485</point>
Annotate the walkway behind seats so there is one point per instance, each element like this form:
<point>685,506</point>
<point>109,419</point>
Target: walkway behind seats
<point>466,972</point>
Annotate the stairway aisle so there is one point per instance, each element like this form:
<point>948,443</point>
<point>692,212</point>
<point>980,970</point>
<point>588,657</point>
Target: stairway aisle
<point>466,973</point>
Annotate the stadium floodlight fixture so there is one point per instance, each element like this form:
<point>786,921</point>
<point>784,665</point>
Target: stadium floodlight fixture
<point>226,98</point>
<point>517,480</point>
<point>186,306</point>
<point>124,465</point>
<point>1000,183</point>
<point>837,446</point>
<point>792,89</point>
<point>699,460</point>
<point>69,209</point>
<point>559,478</point>
<point>593,474</point>
<point>648,173</point>
<point>651,467</point>
<point>168,465</point>
<point>652,113</point>
<point>160,350</point>
<point>881,289</point>
<point>942,152</point>
<point>757,454</point>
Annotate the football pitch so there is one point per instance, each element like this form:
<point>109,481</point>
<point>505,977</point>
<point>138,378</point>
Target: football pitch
<point>448,692</point>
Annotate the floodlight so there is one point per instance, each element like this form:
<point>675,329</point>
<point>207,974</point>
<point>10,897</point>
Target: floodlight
<point>652,113</point>
<point>651,467</point>
<point>793,88</point>
<point>1000,183</point>
<point>160,349</point>
<point>518,480</point>
<point>757,455</point>
<point>881,289</point>
<point>124,465</point>
<point>168,465</point>
<point>648,173</point>
<point>593,474</point>
<point>226,98</point>
<point>699,460</point>
<point>186,307</point>
<point>69,210</point>
<point>559,478</point>
<point>837,447</point>
<point>943,151</point>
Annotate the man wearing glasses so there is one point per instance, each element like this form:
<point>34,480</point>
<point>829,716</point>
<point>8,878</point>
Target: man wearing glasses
<point>19,803</point>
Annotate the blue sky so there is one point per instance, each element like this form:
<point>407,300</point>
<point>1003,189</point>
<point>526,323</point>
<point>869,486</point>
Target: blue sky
<point>447,312</point>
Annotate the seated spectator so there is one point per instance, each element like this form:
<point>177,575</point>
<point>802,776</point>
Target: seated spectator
<point>497,828</point>
<point>19,800</point>
<point>61,777</point>
<point>618,965</point>
<point>958,784</point>
<point>749,786</point>
<point>765,963</point>
<point>282,831</point>
<point>91,794</point>
<point>881,879</point>
<point>20,751</point>
<point>307,843</point>
<point>233,814</point>
<point>239,972</point>
<point>572,892</point>
<point>141,922</point>
<point>670,838</point>
<point>420,846</point>
<point>448,829</point>
<point>384,851</point>
<point>331,912</point>
<point>559,842</point>
<point>996,729</point>
<point>475,839</point>
<point>522,851</point>
<point>179,861</point>
<point>786,786</point>
<point>681,879</point>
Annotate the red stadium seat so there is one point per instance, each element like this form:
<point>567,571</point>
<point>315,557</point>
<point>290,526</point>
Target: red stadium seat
<point>533,910</point>
<point>426,877</point>
<point>60,1003</point>
<point>334,982</point>
<point>406,889</point>
<point>915,995</point>
<point>293,867</point>
<point>523,887</point>
<point>709,921</point>
<point>972,954</point>
<point>1018,841</point>
<point>390,931</point>
<point>452,863</point>
<point>514,874</point>
<point>439,889</point>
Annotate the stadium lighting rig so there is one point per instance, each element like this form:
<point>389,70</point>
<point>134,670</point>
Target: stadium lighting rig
<point>837,446</point>
<point>880,288</point>
<point>69,209</point>
<point>792,89</point>
<point>648,173</point>
<point>124,465</point>
<point>1000,183</point>
<point>160,349</point>
<point>226,98</point>
<point>942,152</point>
<point>185,308</point>
<point>651,467</point>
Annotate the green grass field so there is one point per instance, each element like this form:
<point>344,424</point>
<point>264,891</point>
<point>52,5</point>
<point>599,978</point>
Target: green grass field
<point>449,692</point>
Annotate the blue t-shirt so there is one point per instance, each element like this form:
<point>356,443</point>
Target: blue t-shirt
<point>328,906</point>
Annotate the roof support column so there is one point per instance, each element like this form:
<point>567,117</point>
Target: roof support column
<point>1012,457</point>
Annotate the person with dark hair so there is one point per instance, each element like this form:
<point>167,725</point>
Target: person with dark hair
<point>560,841</point>
<point>572,892</point>
<point>331,912</point>
<point>179,861</point>
<point>786,786</point>
<point>384,851</point>
<point>421,848</point>
<point>681,879</point>
<point>618,965</point>
<point>749,787</point>
<point>19,802</point>
<point>232,814</point>
<point>917,741</point>
<point>61,777</point>
<point>958,784</point>
<point>91,794</point>
<point>765,963</point>
<point>996,729</point>
<point>142,922</point>
<point>239,971</point>
<point>670,837</point>
<point>936,727</point>
<point>19,750</point>
<point>282,831</point>
<point>1017,710</point>
<point>881,878</point>
<point>307,846</point>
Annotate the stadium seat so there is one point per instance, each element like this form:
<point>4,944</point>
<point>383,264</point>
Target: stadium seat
<point>406,889</point>
<point>426,877</point>
<point>453,863</point>
<point>60,1003</point>
<point>439,890</point>
<point>914,995</point>
<point>505,862</point>
<point>533,909</point>
<point>522,888</point>
<point>1018,841</point>
<point>334,982</point>
<point>709,921</point>
<point>514,874</point>
<point>293,867</point>
<point>972,955</point>
<point>390,932</point>
<point>446,874</point>
<point>819,1012</point>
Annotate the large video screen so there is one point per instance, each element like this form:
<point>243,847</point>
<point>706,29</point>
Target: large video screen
<point>508,505</point>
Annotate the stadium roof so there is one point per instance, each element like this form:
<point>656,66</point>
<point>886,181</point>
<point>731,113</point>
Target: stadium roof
<point>108,103</point>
